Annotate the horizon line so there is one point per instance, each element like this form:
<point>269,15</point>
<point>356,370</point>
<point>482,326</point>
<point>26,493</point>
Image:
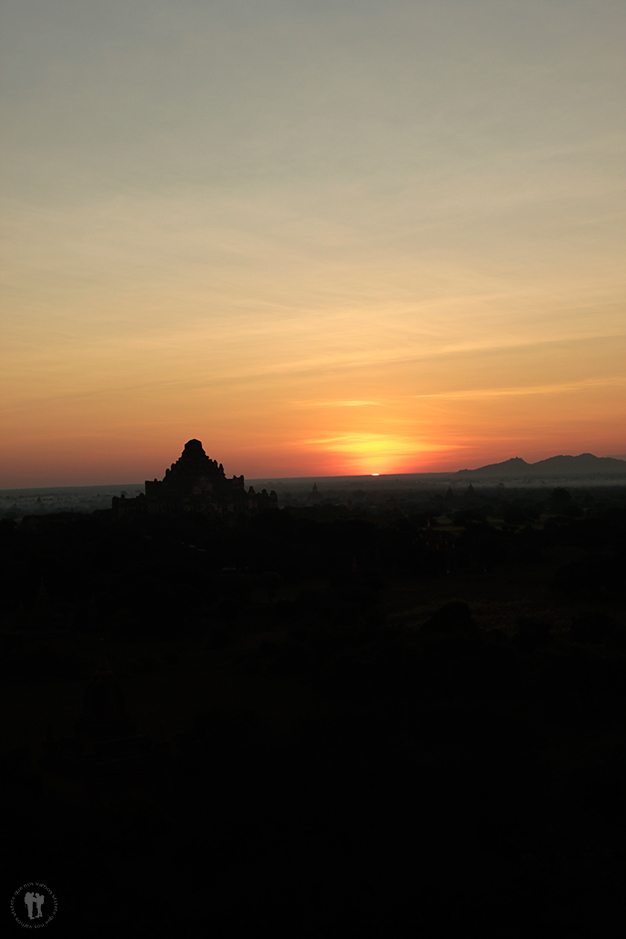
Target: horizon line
<point>260,479</point>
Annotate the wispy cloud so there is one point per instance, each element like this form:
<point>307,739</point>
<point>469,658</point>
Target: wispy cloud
<point>338,404</point>
<point>375,444</point>
<point>560,388</point>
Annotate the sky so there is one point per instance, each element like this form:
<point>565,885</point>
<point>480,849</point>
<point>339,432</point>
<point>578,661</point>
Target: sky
<point>324,237</point>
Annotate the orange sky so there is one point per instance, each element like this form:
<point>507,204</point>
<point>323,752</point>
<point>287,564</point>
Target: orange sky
<point>323,239</point>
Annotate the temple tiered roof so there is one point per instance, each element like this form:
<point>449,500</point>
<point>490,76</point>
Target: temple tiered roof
<point>192,466</point>
<point>195,483</point>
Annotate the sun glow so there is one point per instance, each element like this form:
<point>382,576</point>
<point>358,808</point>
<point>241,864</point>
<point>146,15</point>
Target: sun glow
<point>354,453</point>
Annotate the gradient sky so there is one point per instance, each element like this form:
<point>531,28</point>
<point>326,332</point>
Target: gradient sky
<point>322,236</point>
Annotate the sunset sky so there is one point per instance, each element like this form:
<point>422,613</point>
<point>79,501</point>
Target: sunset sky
<point>322,236</point>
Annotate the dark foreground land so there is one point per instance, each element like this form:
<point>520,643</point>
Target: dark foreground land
<point>380,721</point>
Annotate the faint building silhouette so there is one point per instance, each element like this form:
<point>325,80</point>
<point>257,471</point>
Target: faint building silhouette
<point>314,496</point>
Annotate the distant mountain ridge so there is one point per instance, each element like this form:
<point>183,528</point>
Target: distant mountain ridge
<point>586,465</point>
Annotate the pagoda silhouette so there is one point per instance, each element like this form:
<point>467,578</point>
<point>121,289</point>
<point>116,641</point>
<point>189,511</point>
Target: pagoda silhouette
<point>194,483</point>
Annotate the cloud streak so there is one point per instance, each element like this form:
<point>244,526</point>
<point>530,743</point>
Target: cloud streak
<point>376,443</point>
<point>338,404</point>
<point>562,388</point>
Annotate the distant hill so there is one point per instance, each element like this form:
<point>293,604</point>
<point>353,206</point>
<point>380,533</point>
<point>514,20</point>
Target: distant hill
<point>586,465</point>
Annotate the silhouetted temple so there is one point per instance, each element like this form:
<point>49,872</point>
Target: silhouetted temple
<point>195,483</point>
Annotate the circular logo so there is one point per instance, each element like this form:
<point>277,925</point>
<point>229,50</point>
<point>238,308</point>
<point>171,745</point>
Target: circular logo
<point>33,905</point>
